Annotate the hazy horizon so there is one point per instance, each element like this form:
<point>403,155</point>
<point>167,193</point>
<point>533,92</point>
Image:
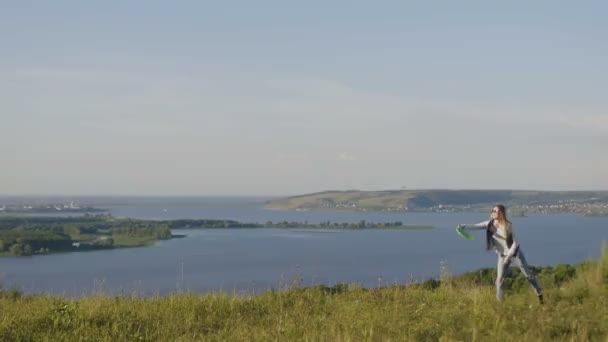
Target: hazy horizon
<point>175,195</point>
<point>276,99</point>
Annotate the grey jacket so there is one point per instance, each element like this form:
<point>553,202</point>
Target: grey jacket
<point>499,237</point>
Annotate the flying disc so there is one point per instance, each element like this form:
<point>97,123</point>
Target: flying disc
<point>460,230</point>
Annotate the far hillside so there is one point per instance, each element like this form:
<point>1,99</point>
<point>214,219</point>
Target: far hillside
<point>424,200</point>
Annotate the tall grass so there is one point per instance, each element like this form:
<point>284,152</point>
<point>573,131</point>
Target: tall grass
<point>453,308</point>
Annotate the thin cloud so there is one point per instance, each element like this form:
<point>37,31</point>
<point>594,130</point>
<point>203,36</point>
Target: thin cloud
<point>346,156</point>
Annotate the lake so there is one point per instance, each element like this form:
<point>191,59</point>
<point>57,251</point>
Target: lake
<point>252,260</point>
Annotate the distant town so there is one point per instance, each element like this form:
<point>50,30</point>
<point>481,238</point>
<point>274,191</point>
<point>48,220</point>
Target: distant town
<point>585,208</point>
<point>36,208</point>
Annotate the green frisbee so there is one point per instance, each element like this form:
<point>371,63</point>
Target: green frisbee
<point>460,230</point>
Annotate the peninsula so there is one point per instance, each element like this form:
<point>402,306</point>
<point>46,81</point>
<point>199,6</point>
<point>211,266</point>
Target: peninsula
<point>593,203</point>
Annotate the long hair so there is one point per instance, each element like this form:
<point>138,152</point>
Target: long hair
<point>490,230</point>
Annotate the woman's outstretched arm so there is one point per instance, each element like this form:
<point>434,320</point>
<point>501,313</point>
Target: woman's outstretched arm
<point>477,226</point>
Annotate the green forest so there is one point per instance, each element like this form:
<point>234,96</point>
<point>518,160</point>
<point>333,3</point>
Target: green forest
<point>22,236</point>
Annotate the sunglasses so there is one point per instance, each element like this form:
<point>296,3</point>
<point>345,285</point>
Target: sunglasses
<point>495,210</point>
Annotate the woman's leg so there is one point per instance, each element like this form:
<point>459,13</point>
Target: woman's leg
<point>501,273</point>
<point>523,266</point>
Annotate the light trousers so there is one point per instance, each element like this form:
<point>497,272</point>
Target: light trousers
<point>502,269</point>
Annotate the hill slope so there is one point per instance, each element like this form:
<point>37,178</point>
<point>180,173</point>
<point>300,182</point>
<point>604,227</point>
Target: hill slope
<point>459,308</point>
<point>412,200</point>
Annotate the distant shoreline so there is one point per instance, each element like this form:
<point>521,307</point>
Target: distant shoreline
<point>43,235</point>
<point>520,203</point>
<point>75,211</point>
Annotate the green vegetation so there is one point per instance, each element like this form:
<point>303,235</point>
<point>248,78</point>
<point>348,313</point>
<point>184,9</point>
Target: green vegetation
<point>20,236</point>
<point>219,224</point>
<point>458,308</point>
<point>344,200</point>
<point>337,225</point>
<point>198,224</point>
<point>21,241</point>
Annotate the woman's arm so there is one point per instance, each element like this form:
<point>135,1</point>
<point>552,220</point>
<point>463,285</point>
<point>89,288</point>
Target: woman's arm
<point>477,226</point>
<point>513,248</point>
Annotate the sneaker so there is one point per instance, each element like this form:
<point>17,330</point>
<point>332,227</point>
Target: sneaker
<point>540,299</point>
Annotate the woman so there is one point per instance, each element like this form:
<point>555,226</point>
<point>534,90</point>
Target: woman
<point>499,235</point>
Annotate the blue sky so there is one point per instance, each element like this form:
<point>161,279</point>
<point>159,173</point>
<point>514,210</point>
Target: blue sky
<point>279,98</point>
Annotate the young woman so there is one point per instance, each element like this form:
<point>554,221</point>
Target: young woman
<point>499,236</point>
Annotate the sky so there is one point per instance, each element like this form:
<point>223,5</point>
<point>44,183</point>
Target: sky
<point>282,98</point>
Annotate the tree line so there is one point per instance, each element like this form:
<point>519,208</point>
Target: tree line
<point>40,235</point>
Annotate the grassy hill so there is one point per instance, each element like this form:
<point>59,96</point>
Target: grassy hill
<point>403,200</point>
<point>343,200</point>
<point>459,308</point>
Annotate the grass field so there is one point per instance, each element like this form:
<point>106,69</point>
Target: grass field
<point>451,309</point>
<point>133,241</point>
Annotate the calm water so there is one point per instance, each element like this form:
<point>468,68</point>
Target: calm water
<point>253,260</point>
